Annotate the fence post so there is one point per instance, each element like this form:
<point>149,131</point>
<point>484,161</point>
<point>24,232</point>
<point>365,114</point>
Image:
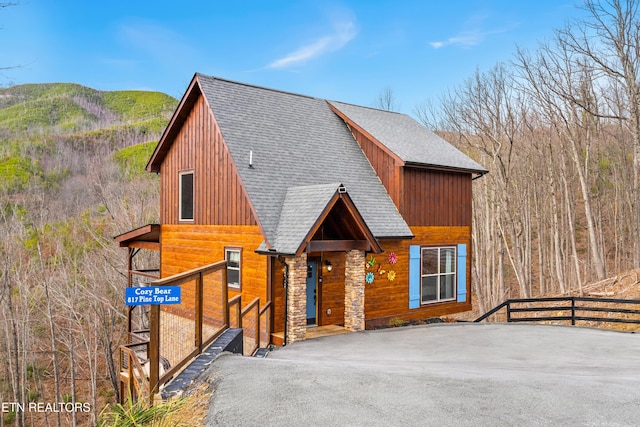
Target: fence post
<point>258,325</point>
<point>225,296</point>
<point>573,311</point>
<point>199,294</point>
<point>508,311</point>
<point>153,352</point>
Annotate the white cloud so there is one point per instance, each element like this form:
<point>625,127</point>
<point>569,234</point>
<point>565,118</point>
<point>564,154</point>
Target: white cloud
<point>465,39</point>
<point>473,32</point>
<point>343,32</point>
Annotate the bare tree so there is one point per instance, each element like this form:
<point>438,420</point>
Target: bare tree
<point>386,100</point>
<point>610,39</point>
<point>561,86</point>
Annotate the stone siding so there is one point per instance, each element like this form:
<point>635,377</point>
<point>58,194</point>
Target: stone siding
<point>297,298</point>
<point>354,291</point>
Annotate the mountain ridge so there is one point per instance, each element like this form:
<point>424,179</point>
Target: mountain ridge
<point>45,128</point>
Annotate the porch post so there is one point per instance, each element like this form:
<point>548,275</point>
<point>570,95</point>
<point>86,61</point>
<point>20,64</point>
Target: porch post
<point>297,298</point>
<point>354,291</point>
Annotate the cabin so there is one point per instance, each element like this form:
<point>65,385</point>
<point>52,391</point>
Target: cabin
<point>337,214</point>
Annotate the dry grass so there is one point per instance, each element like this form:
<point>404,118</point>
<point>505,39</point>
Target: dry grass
<point>189,411</point>
<point>623,286</point>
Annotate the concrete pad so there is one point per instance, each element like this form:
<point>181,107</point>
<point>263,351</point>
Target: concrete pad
<point>443,374</point>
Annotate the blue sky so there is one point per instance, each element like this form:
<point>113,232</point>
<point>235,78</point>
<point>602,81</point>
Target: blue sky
<point>344,50</point>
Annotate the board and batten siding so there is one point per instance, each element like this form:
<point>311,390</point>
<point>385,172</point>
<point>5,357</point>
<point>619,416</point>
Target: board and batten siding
<point>439,198</point>
<point>385,165</point>
<point>424,196</point>
<point>219,197</point>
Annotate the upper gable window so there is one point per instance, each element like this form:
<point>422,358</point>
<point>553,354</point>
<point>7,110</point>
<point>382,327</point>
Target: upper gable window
<point>186,196</point>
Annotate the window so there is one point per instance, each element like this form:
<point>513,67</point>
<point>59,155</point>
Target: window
<point>186,196</point>
<point>233,267</point>
<point>438,274</point>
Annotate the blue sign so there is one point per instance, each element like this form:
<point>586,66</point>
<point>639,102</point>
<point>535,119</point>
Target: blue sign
<point>153,295</point>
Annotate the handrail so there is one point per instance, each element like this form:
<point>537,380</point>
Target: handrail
<point>267,321</point>
<point>146,273</point>
<point>189,275</point>
<point>573,308</point>
<point>265,307</point>
<point>139,338</point>
<point>250,305</point>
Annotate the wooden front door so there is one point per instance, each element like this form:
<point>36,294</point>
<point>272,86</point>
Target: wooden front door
<point>312,292</point>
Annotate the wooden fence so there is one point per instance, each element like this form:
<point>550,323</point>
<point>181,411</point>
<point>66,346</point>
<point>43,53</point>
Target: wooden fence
<point>569,309</point>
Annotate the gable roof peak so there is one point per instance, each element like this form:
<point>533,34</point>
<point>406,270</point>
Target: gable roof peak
<point>205,77</point>
<point>381,110</point>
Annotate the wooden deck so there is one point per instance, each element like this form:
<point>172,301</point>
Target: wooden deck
<point>312,332</point>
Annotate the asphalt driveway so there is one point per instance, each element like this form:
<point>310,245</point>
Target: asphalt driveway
<point>436,375</point>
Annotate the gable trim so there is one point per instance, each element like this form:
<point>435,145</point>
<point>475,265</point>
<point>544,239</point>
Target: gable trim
<point>177,120</point>
<point>369,241</point>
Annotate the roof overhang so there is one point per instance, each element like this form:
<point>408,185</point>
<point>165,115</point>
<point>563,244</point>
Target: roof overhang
<point>145,237</point>
<point>479,172</point>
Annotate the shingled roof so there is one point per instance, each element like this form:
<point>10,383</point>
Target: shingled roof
<point>300,147</point>
<point>295,141</point>
<point>413,143</point>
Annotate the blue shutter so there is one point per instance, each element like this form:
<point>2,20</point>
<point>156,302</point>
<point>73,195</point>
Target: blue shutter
<point>414,276</point>
<point>462,273</point>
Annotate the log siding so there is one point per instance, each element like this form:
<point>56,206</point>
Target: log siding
<point>385,299</point>
<point>186,246</point>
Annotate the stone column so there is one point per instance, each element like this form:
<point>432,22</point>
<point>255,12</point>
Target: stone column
<point>297,298</point>
<point>354,291</point>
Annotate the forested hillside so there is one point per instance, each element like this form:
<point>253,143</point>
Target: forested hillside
<point>71,177</point>
<point>559,129</point>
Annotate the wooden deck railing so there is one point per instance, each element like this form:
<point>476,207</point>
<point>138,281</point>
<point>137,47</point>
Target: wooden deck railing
<point>235,320</point>
<point>265,319</point>
<point>132,375</point>
<point>229,314</point>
